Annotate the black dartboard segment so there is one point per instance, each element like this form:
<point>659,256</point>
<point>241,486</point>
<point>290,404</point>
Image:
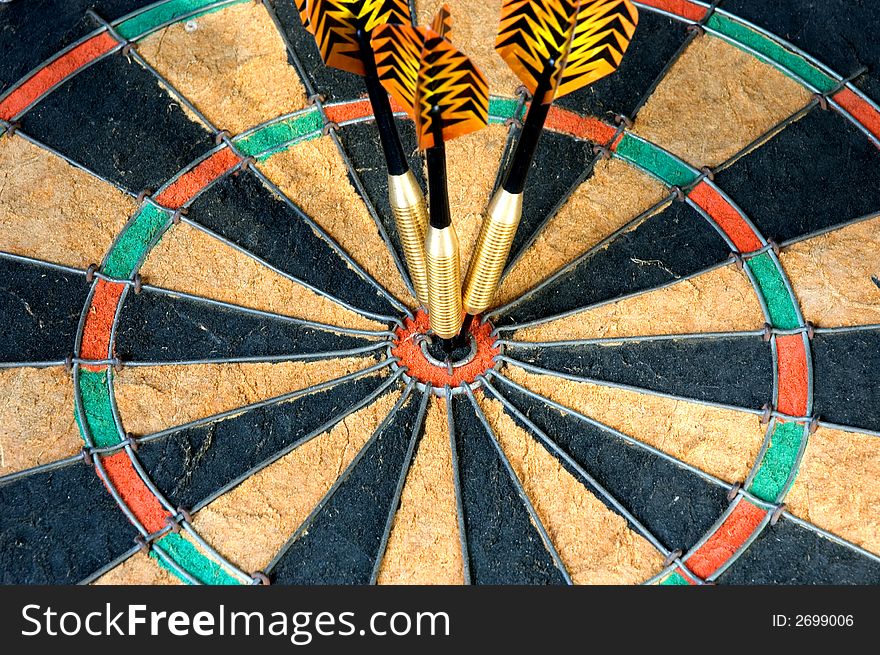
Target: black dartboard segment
<point>674,243</point>
<point>502,543</point>
<point>361,144</point>
<point>114,118</point>
<point>675,505</point>
<point>61,23</point>
<point>159,327</point>
<point>789,195</point>
<point>847,378</point>
<point>341,543</point>
<point>41,307</point>
<point>656,41</point>
<point>331,83</point>
<point>58,527</point>
<point>788,553</point>
<point>833,31</point>
<point>191,465</point>
<point>869,85</point>
<point>734,371</point>
<point>549,184</point>
<point>243,210</point>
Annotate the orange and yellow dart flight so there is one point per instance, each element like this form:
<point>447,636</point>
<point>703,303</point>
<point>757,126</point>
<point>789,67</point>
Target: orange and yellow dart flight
<point>432,79</point>
<point>563,45</point>
<point>335,25</point>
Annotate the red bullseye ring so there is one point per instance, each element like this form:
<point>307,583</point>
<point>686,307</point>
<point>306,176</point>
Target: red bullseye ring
<point>407,347</point>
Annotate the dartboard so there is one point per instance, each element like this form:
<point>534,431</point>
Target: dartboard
<point>213,369</point>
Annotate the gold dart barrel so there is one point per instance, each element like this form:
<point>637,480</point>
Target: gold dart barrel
<point>411,217</point>
<point>444,281</point>
<point>493,247</point>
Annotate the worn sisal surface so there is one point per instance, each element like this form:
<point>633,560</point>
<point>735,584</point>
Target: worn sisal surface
<point>706,118</point>
<point>615,194</point>
<point>231,64</point>
<point>833,275</point>
<point>689,306</point>
<point>250,523</point>
<point>157,397</point>
<point>838,486</point>
<point>313,175</point>
<point>53,211</point>
<point>595,544</point>
<point>188,260</point>
<point>424,546</point>
<point>36,418</point>
<point>722,442</point>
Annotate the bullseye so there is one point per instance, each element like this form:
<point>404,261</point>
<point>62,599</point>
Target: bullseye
<point>414,347</point>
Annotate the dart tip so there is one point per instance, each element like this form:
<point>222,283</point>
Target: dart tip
<point>462,337</point>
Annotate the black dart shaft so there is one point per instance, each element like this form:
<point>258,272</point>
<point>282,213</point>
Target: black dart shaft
<point>388,136</point>
<point>527,144</point>
<point>404,193</point>
<point>503,214</point>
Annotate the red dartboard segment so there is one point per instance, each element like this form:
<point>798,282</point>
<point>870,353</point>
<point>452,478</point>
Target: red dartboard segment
<point>582,127</point>
<point>726,216</point>
<point>792,375</point>
<point>185,187</point>
<point>99,322</point>
<point>122,475</point>
<point>731,535</point>
<point>348,112</point>
<point>41,81</point>
<point>684,8</point>
<point>859,109</point>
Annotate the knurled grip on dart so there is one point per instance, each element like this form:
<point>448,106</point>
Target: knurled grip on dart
<point>444,281</point>
<point>411,217</point>
<point>491,252</point>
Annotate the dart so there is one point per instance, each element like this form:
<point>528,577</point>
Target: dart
<point>342,29</point>
<point>554,47</point>
<point>447,97</point>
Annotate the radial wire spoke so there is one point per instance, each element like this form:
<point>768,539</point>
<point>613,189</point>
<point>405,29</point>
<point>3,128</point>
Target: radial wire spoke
<point>341,541</point>
<point>735,371</point>
<point>580,473</point>
<point>504,545</point>
<point>193,465</point>
<point>675,505</point>
<point>521,492</point>
<point>668,243</point>
<point>417,433</point>
<point>156,327</point>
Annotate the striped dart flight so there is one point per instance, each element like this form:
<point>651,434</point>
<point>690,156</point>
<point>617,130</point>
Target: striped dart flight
<point>566,44</point>
<point>335,25</point>
<point>424,72</point>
